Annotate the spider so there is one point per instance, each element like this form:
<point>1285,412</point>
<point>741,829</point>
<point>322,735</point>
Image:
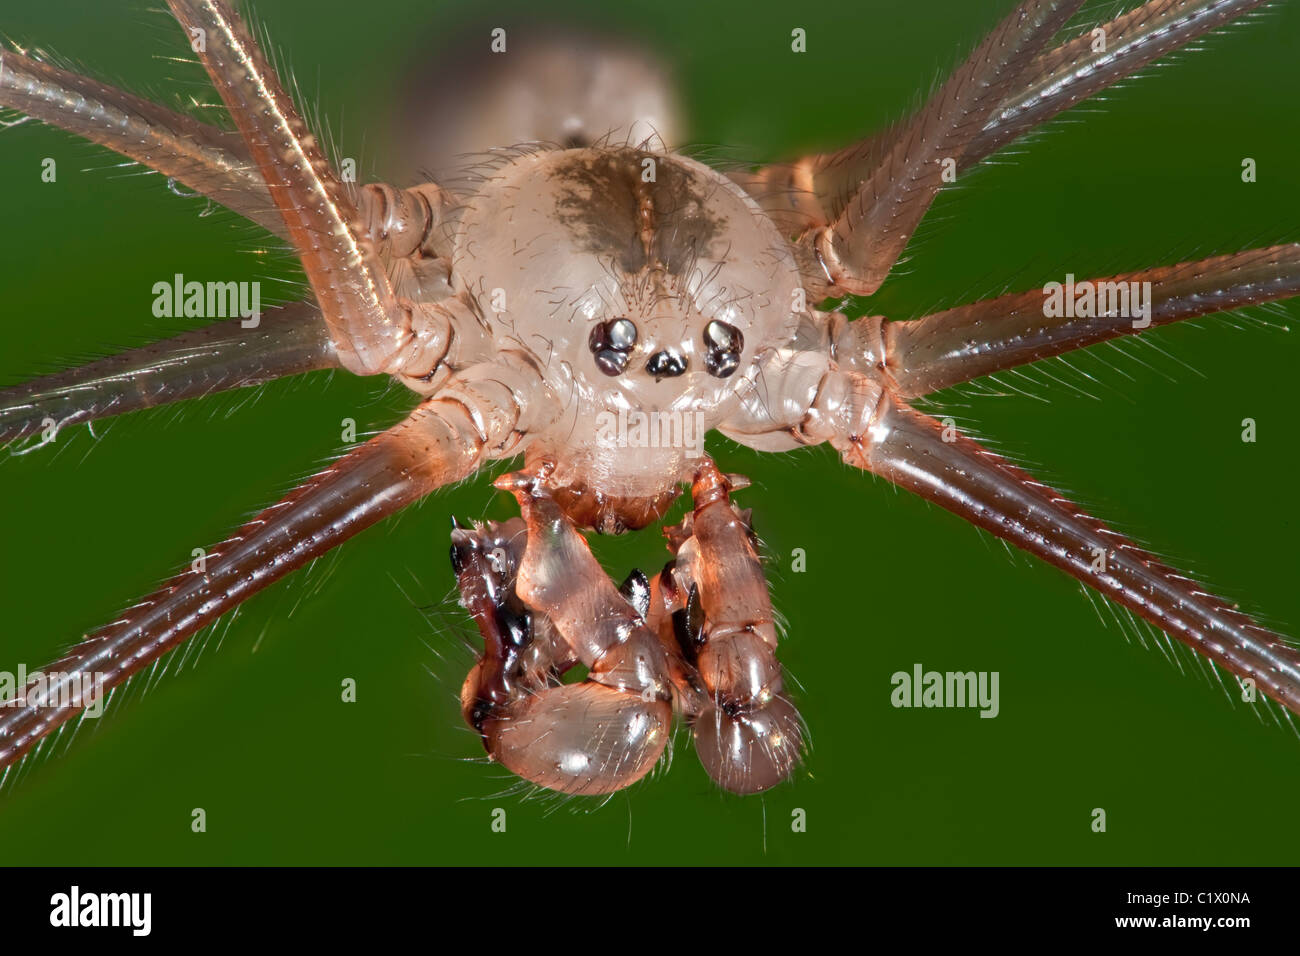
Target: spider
<point>665,289</point>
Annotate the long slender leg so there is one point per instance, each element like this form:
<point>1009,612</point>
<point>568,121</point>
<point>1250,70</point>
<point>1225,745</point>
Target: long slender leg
<point>365,319</point>
<point>815,191</point>
<point>749,735</point>
<point>858,250</point>
<point>222,356</point>
<point>207,159</point>
<point>444,440</point>
<point>981,338</point>
<point>1083,67</point>
<point>910,449</point>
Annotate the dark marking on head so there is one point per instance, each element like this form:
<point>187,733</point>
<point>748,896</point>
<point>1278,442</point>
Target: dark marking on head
<point>611,210</point>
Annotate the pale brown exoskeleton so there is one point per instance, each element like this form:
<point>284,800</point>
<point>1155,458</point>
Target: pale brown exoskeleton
<point>570,297</point>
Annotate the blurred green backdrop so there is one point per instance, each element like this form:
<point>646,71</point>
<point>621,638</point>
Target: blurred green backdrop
<point>256,733</point>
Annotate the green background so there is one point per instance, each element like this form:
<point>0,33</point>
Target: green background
<point>256,734</point>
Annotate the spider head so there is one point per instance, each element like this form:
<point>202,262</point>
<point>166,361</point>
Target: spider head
<point>648,286</point>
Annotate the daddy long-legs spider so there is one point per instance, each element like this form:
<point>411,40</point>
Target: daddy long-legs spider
<point>1074,190</point>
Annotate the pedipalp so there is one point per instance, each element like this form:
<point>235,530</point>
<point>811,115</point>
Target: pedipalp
<point>700,640</point>
<point>749,736</point>
<point>608,731</point>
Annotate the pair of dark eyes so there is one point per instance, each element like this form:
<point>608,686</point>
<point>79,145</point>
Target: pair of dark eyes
<point>612,343</point>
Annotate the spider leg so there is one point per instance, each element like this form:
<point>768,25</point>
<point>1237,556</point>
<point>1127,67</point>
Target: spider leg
<point>207,159</point>
<point>226,355</point>
<point>607,732</point>
<point>481,413</point>
<point>747,734</point>
<point>913,451</point>
<point>1083,67</point>
<point>831,189</point>
<point>367,322</point>
<point>858,249</point>
<point>981,338</point>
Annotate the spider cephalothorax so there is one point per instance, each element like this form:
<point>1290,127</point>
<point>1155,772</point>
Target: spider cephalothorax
<point>648,289</point>
<point>595,310</point>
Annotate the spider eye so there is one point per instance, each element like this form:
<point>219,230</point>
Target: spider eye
<point>666,364</point>
<point>611,342</point>
<point>723,344</point>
